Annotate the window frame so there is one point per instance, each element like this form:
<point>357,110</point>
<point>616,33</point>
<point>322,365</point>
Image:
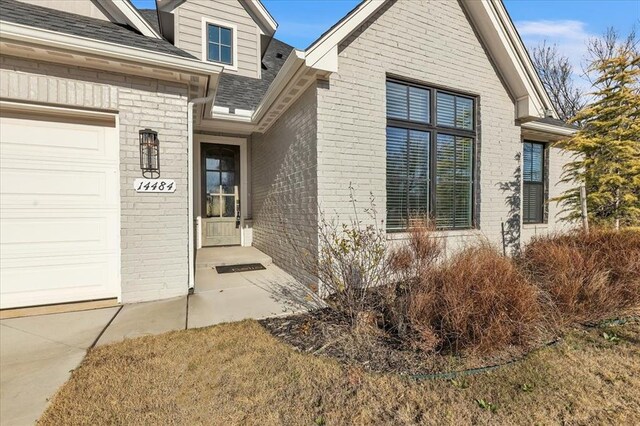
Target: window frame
<point>234,42</point>
<point>434,129</point>
<point>542,183</point>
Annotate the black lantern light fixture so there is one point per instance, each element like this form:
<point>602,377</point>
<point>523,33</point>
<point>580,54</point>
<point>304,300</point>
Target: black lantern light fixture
<point>149,154</point>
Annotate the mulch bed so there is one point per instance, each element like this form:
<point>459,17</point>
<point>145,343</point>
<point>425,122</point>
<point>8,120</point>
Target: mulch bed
<point>322,332</point>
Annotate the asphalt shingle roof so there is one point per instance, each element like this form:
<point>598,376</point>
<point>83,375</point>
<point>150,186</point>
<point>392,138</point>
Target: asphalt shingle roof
<point>83,26</point>
<point>240,92</point>
<point>151,16</point>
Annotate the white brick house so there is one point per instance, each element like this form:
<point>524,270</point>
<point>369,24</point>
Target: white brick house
<point>433,107</point>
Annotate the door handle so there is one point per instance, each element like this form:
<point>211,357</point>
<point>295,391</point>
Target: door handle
<point>237,214</point>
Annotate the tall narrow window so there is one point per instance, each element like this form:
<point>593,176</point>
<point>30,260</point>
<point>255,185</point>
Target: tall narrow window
<point>416,141</point>
<point>219,44</point>
<point>533,182</point>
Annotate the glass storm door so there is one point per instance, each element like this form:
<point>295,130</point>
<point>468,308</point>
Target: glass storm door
<point>220,195</point>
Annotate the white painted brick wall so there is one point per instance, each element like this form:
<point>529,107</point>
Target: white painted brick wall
<point>426,41</point>
<point>284,187</point>
<point>153,226</point>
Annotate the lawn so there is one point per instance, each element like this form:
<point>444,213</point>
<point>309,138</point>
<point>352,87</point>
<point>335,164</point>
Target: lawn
<point>239,374</point>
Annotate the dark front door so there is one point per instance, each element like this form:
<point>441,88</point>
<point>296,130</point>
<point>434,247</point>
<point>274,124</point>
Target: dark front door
<point>220,195</point>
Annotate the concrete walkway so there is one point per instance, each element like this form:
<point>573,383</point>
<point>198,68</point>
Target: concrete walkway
<point>37,355</point>
<point>38,352</point>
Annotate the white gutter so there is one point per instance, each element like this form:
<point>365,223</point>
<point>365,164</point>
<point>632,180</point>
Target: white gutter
<point>548,128</point>
<point>293,63</point>
<point>110,51</point>
<point>191,258</point>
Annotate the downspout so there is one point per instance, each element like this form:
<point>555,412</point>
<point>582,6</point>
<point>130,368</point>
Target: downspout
<point>190,223</point>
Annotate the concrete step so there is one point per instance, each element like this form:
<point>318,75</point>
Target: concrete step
<point>209,257</point>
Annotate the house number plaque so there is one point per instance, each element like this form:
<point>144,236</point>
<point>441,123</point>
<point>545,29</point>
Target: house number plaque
<point>154,185</point>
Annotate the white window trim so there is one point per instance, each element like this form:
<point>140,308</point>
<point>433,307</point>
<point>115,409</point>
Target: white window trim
<point>245,239</point>
<point>234,47</point>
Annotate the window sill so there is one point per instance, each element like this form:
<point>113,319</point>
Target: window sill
<point>535,225</point>
<point>471,232</point>
<point>227,67</point>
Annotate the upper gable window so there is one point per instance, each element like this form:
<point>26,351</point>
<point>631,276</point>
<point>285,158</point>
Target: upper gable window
<point>220,44</point>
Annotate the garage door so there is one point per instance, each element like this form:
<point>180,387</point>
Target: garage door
<point>59,211</point>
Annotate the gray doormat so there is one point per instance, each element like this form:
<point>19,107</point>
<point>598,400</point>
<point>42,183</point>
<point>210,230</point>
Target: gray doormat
<point>227,269</point>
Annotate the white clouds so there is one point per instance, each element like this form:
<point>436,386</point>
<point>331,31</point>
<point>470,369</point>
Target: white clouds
<point>565,29</point>
<point>569,35</point>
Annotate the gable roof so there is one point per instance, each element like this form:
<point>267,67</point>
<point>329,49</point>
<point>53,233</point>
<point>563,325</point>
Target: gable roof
<point>496,30</point>
<point>240,92</point>
<point>255,8</point>
<point>78,25</point>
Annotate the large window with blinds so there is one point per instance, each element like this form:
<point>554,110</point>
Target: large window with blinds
<point>533,182</point>
<point>431,137</point>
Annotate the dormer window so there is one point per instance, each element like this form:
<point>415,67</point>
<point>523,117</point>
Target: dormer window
<point>220,46</point>
<point>219,43</point>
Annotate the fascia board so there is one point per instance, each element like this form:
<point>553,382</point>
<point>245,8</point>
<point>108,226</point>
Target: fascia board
<point>316,54</point>
<point>290,67</point>
<point>133,18</point>
<point>267,23</point>
<point>523,55</point>
<point>548,128</point>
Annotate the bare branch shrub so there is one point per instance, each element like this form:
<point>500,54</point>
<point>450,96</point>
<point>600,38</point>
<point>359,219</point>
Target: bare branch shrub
<point>407,264</point>
<point>352,261</point>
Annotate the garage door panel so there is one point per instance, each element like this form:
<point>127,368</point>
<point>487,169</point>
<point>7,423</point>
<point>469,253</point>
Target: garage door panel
<point>57,185</point>
<point>52,236</point>
<point>42,280</point>
<point>43,139</point>
<point>59,212</point>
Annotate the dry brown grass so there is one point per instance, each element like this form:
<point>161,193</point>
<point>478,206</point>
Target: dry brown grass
<point>587,277</point>
<point>476,300</point>
<point>238,374</point>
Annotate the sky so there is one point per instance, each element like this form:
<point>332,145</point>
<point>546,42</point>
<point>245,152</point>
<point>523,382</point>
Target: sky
<point>566,23</point>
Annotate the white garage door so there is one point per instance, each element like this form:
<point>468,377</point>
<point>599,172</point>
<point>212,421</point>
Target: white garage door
<point>59,212</point>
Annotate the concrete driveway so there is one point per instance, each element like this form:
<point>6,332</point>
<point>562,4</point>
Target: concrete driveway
<point>37,355</point>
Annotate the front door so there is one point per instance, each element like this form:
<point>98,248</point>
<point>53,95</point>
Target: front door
<point>220,195</point>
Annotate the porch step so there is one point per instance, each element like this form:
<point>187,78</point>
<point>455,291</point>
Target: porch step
<point>209,257</point>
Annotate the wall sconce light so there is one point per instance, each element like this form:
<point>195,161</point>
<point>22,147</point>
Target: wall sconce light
<point>149,154</point>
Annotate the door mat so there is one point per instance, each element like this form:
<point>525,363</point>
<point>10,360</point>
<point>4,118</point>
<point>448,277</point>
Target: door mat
<point>227,269</point>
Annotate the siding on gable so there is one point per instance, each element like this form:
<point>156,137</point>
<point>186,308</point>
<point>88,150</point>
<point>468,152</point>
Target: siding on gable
<point>154,237</point>
<point>84,8</point>
<point>429,42</point>
<point>284,188</point>
<point>188,27</point>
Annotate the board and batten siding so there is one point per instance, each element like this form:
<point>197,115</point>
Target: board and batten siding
<point>423,41</point>
<point>189,28</point>
<point>153,234</point>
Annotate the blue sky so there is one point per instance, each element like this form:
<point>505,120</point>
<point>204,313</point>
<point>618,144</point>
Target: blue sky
<point>567,23</point>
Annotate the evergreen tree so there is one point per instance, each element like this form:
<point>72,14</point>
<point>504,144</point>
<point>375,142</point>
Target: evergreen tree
<point>606,148</point>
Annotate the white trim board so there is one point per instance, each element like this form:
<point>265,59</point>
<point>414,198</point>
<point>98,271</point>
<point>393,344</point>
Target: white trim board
<point>234,45</point>
<point>199,139</point>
